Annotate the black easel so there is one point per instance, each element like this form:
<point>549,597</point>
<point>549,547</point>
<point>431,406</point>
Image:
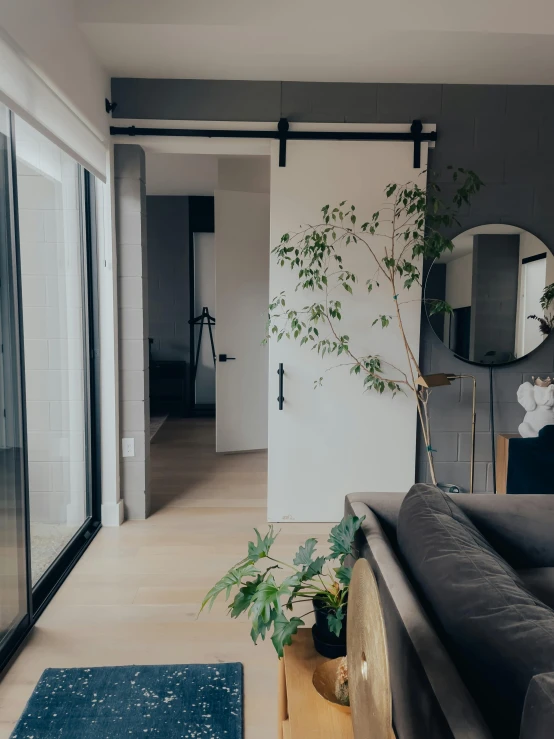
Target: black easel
<point>204,319</point>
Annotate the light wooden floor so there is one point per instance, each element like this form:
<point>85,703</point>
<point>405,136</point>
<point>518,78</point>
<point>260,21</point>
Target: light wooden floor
<point>134,596</point>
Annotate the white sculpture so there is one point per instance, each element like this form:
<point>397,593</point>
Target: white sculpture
<point>538,401</point>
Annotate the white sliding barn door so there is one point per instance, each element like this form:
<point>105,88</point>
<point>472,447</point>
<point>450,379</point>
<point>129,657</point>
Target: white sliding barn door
<point>242,296</point>
<point>336,439</point>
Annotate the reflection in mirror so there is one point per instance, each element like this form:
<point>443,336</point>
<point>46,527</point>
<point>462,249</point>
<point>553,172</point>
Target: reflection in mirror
<point>493,280</point>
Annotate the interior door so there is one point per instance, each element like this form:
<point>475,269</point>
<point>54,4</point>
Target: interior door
<point>336,439</point>
<point>242,297</point>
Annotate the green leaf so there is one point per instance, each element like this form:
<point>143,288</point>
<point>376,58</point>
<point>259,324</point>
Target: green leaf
<point>243,599</point>
<point>334,621</point>
<point>261,627</point>
<point>342,536</point>
<point>313,569</point>
<point>262,546</point>
<point>547,296</point>
<point>268,597</point>
<point>283,631</point>
<point>264,600</point>
<point>304,555</point>
<point>228,581</point>
<point>308,573</point>
<point>344,575</point>
<point>438,306</point>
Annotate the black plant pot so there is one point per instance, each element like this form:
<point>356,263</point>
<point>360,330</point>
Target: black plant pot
<point>326,643</point>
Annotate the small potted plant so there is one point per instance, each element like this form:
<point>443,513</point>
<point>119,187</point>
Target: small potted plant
<point>268,588</point>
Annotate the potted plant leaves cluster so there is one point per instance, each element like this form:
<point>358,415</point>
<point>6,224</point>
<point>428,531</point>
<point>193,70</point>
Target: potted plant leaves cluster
<point>267,589</point>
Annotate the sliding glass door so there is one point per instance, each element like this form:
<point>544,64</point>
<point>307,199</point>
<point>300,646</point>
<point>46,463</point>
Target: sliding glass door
<point>52,280</point>
<point>14,581</point>
<point>49,486</point>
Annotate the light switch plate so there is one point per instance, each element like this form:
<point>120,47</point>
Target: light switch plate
<point>128,447</point>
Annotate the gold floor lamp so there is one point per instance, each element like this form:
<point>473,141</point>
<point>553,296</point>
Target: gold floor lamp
<point>442,380</point>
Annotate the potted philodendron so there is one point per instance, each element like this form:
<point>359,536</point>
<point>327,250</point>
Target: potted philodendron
<point>267,589</point>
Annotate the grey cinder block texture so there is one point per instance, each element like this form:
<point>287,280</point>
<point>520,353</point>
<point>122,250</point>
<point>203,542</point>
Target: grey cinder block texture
<point>132,260</point>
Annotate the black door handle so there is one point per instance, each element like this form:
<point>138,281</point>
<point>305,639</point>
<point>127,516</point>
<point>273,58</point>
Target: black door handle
<point>225,358</point>
<point>281,373</point>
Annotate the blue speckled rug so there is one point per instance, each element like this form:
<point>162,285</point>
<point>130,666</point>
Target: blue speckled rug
<point>169,701</point>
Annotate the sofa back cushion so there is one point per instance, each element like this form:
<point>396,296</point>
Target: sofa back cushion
<point>538,711</point>
<point>540,582</point>
<point>500,635</point>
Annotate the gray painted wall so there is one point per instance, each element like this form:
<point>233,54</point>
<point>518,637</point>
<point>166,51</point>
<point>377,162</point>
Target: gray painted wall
<point>168,276</point>
<point>502,132</point>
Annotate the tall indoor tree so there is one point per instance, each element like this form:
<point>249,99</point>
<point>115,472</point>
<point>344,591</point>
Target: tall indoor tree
<point>411,226</point>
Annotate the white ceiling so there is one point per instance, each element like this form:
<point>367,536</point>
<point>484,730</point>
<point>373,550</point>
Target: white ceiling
<point>477,41</point>
<point>180,174</point>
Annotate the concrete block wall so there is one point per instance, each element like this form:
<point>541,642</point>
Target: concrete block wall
<point>502,132</point>
<point>131,241</point>
<point>50,242</point>
<point>168,277</point>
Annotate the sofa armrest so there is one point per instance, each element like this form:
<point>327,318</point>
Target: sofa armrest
<point>430,700</point>
<point>538,712</point>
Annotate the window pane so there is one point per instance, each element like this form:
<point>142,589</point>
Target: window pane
<point>49,205</point>
<point>13,576</point>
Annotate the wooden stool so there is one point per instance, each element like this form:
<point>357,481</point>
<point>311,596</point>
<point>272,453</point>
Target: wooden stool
<point>303,713</point>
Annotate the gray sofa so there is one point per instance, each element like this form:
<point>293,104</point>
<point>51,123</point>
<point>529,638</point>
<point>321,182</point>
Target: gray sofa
<point>430,698</point>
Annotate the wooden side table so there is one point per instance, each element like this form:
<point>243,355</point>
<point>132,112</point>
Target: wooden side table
<point>303,713</point>
<point>502,453</point>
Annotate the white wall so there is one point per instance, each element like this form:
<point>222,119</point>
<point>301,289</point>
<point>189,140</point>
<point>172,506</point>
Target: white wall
<point>180,174</point>
<point>47,32</point>
<point>458,287</point>
<point>530,245</point>
<point>112,505</point>
<point>244,174</point>
<point>204,296</point>
<point>458,281</point>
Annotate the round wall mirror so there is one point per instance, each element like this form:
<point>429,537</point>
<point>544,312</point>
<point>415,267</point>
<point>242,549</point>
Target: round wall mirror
<point>493,280</point>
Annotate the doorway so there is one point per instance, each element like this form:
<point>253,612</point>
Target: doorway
<point>208,290</point>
